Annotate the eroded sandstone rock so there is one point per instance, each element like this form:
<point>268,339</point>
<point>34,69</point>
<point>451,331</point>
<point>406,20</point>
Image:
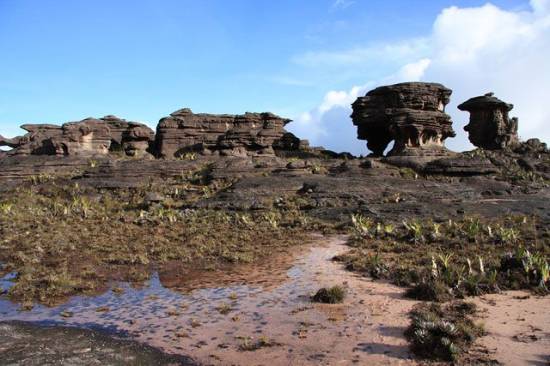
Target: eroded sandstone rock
<point>90,136</point>
<point>490,127</point>
<point>225,134</point>
<point>412,115</point>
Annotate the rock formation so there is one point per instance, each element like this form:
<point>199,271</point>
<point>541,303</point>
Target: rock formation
<point>490,127</point>
<point>410,114</point>
<point>87,137</point>
<point>237,135</point>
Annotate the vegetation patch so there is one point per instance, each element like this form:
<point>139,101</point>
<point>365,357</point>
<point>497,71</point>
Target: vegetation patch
<point>442,332</point>
<point>330,295</point>
<point>62,239</point>
<point>454,258</point>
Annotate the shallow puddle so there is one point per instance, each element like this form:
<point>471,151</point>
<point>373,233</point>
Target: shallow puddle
<point>217,318</point>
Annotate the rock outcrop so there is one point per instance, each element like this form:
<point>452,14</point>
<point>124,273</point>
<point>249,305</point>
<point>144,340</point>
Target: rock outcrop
<point>90,136</point>
<point>490,127</point>
<point>235,135</point>
<point>412,115</point>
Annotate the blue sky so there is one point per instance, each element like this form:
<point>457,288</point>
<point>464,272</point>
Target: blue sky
<point>66,60</point>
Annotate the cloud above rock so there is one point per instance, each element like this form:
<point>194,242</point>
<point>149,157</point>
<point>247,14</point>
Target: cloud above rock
<point>471,50</point>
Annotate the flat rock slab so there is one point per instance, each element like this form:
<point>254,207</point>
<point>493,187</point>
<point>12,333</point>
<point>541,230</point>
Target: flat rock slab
<point>28,344</point>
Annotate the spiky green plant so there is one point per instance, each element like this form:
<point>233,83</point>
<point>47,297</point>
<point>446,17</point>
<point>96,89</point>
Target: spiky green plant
<point>6,208</point>
<point>272,218</point>
<point>362,225</point>
<point>415,230</point>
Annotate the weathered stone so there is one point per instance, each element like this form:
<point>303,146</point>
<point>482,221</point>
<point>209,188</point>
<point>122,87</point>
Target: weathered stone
<point>531,147</point>
<point>412,115</point>
<point>87,137</point>
<point>490,127</point>
<point>134,138</point>
<point>37,140</point>
<point>234,135</point>
<point>288,141</point>
<point>460,166</point>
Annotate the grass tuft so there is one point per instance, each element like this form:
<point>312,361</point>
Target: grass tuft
<point>331,295</point>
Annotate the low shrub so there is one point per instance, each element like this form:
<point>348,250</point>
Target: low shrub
<point>331,295</point>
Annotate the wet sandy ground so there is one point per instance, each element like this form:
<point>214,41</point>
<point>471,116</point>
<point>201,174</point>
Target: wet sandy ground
<point>518,327</point>
<point>215,317</point>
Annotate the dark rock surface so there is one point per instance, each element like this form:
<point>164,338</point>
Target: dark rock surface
<point>412,115</point>
<point>490,126</point>
<point>28,344</point>
<point>235,135</point>
<point>460,165</point>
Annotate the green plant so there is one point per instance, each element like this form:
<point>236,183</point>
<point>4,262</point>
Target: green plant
<point>442,333</point>
<point>272,218</point>
<point>361,225</point>
<point>436,230</point>
<point>505,235</point>
<point>445,260</point>
<point>6,207</point>
<point>415,231</point>
<point>331,295</point>
<point>187,156</point>
<point>384,229</point>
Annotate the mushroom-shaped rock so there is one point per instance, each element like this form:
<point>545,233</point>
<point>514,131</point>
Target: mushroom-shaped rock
<point>410,114</point>
<point>490,127</point>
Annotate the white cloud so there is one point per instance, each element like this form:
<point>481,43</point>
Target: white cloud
<point>342,4</point>
<point>472,51</point>
<point>360,55</point>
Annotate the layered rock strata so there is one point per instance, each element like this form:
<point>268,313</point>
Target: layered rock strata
<point>225,134</point>
<point>90,136</point>
<point>490,126</point>
<point>412,115</point>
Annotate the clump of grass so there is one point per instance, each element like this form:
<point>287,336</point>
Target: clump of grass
<point>442,333</point>
<point>331,295</point>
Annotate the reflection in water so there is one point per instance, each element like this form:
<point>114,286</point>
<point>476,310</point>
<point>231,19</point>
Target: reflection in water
<point>168,306</point>
<point>209,315</point>
<point>6,282</point>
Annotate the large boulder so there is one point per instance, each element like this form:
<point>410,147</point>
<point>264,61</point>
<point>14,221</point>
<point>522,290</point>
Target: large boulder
<point>412,115</point>
<point>490,127</point>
